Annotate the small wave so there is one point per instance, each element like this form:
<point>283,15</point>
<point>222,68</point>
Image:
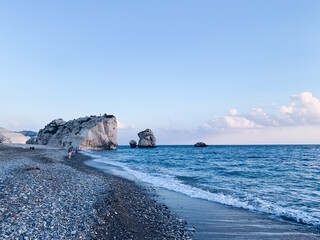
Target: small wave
<point>171,183</point>
<point>187,178</point>
<point>193,192</point>
<point>90,154</point>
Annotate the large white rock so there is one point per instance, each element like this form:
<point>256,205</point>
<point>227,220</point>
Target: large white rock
<point>7,136</point>
<point>87,133</point>
<point>147,139</point>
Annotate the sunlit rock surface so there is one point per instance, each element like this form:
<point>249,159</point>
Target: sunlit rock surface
<point>86,133</point>
<point>147,139</point>
<point>7,136</point>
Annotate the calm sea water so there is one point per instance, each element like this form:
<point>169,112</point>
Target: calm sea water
<point>283,181</point>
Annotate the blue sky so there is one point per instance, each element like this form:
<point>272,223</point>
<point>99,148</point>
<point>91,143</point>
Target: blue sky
<point>172,66</point>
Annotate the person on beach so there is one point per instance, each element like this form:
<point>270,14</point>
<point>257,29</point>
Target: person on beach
<point>70,151</point>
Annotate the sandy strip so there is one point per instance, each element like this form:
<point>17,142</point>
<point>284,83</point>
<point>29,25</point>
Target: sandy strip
<point>217,221</point>
<point>44,195</point>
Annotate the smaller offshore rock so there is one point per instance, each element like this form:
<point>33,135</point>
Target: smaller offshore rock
<point>200,144</point>
<point>133,144</point>
<point>147,139</point>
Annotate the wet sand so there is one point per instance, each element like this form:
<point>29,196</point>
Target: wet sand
<point>218,221</point>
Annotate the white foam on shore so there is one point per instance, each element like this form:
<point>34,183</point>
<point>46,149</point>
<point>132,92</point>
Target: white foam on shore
<point>170,183</point>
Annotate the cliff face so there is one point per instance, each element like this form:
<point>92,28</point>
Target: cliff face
<point>87,133</point>
<point>7,136</point>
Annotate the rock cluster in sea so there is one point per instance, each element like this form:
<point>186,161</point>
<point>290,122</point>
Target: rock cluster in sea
<point>200,144</point>
<point>133,144</point>
<point>147,139</point>
<point>86,133</point>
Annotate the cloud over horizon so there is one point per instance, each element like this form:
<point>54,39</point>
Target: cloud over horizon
<point>304,109</point>
<point>296,122</point>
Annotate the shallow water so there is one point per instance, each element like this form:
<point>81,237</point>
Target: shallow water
<point>282,180</point>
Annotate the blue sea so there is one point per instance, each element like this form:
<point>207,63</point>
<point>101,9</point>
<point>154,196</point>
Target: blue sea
<point>282,181</point>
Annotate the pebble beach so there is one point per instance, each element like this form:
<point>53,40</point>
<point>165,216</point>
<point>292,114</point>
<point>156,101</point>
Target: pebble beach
<point>44,195</point>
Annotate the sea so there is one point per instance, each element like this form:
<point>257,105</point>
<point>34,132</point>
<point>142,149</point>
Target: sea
<point>282,181</point>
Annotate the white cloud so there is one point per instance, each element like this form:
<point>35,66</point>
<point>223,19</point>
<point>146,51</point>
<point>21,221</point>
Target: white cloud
<point>233,112</point>
<point>121,125</point>
<point>304,109</point>
<point>124,126</point>
<point>231,122</point>
<point>260,118</point>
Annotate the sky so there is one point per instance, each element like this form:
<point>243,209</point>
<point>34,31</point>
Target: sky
<point>223,72</point>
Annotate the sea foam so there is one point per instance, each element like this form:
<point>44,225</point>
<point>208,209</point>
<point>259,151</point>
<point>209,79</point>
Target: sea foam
<point>169,182</point>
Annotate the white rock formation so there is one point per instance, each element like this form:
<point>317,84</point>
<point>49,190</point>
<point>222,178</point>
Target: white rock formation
<point>7,136</point>
<point>87,133</point>
<point>147,139</point>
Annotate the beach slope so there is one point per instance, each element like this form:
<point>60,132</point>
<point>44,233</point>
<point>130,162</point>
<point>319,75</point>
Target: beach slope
<point>44,195</point>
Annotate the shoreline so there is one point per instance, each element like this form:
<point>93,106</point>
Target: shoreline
<point>46,195</point>
<point>214,220</point>
<point>218,221</point>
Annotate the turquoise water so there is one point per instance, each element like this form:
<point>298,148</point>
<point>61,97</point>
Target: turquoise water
<point>283,181</point>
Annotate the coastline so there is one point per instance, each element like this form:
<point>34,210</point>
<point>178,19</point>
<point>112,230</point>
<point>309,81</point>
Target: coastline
<point>45,195</point>
<point>214,220</point>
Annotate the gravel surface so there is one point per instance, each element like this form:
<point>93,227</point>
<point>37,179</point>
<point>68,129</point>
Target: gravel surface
<point>44,195</point>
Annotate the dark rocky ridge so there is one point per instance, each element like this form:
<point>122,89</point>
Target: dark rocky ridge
<point>133,144</point>
<point>200,144</point>
<point>28,133</point>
